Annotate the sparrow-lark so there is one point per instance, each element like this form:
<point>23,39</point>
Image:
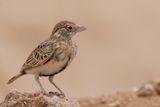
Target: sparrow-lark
<point>53,55</point>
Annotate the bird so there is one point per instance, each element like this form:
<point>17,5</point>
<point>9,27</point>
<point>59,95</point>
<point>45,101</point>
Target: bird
<point>53,55</point>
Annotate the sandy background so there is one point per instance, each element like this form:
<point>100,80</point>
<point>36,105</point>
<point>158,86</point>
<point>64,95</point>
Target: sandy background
<point>119,50</point>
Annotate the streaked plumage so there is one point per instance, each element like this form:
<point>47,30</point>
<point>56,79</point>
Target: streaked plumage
<point>53,55</point>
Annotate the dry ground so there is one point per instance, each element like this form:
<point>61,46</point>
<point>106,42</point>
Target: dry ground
<point>148,95</point>
<point>145,96</point>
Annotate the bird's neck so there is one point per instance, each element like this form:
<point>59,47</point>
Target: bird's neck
<point>60,36</point>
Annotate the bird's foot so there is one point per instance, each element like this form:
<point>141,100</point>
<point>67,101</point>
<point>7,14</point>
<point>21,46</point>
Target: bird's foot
<point>61,95</point>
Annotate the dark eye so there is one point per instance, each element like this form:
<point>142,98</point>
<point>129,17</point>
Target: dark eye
<point>69,27</point>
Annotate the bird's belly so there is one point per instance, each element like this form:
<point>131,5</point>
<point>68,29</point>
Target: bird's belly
<point>49,68</point>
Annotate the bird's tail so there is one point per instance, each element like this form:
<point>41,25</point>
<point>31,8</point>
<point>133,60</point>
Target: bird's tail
<point>15,77</point>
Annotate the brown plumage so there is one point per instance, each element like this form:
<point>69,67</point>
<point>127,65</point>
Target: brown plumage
<point>53,55</point>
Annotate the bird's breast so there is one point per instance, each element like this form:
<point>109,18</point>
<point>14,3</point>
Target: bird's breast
<point>49,68</point>
<point>55,66</point>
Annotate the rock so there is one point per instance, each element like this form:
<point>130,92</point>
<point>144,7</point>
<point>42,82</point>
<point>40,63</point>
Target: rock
<point>147,89</point>
<point>18,99</point>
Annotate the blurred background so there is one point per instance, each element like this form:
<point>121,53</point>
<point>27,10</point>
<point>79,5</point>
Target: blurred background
<point>119,49</point>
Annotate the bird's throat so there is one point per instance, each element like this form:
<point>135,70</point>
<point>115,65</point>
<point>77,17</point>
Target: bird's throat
<point>59,35</point>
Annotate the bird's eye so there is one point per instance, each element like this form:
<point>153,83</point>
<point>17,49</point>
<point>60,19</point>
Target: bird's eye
<point>69,27</point>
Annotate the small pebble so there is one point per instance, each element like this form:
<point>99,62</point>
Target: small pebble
<point>146,90</point>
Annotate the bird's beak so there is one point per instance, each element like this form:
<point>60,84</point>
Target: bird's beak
<point>80,28</point>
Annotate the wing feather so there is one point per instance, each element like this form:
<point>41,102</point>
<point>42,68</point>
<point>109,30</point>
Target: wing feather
<point>40,55</point>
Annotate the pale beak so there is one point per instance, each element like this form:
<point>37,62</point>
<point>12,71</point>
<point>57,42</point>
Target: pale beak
<point>80,28</point>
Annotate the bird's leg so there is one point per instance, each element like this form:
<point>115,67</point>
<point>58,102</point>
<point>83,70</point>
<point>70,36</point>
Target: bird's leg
<point>51,81</point>
<point>40,85</point>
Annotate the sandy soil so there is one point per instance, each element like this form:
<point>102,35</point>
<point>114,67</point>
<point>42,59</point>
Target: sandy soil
<point>145,96</point>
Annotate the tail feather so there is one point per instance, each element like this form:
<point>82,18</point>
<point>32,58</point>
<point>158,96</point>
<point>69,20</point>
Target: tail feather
<point>15,77</point>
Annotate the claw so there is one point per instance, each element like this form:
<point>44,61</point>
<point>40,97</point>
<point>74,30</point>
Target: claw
<point>57,94</point>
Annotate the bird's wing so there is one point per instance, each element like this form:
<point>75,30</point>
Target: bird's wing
<point>41,55</point>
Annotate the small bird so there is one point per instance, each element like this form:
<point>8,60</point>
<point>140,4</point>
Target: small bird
<point>53,55</point>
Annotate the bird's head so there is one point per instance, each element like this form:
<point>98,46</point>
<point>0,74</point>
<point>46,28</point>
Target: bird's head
<point>66,29</point>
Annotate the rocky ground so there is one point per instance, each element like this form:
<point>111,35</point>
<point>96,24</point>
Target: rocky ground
<point>148,95</point>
